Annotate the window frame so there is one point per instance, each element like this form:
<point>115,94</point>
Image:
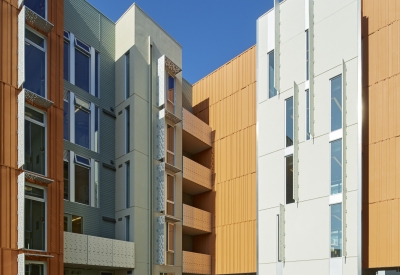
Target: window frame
<point>38,263</point>
<point>44,200</point>
<point>167,248</point>
<point>330,166</point>
<point>271,54</point>
<point>88,110</point>
<point>44,49</point>
<point>88,53</point>
<point>330,229</point>
<point>174,194</point>
<point>91,180</point>
<point>44,125</point>
<point>174,144</point>
<point>167,93</point>
<point>330,102</point>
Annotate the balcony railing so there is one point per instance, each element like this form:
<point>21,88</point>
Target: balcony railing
<point>196,220</point>
<point>196,263</point>
<point>196,178</point>
<point>199,130</point>
<point>82,249</point>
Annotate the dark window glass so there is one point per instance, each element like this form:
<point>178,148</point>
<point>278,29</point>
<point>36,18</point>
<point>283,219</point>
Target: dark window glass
<point>82,180</point>
<point>127,228</point>
<point>35,224</point>
<point>77,224</point>
<point>66,120</point>
<point>34,269</point>
<point>66,180</point>
<point>83,45</point>
<point>128,185</point>
<point>82,70</point>
<point>82,160</point>
<point>96,129</point>
<point>308,131</point>
<point>127,75</point>
<point>34,192</point>
<point>35,115</point>
<point>289,180</point>
<point>35,151</point>
<point>97,75</point>
<point>336,167</point>
<point>336,103</point>
<point>66,60</point>
<point>82,127</point>
<point>35,65</point>
<point>271,74</point>
<point>38,6</point>
<point>127,130</point>
<point>289,122</point>
<point>336,230</point>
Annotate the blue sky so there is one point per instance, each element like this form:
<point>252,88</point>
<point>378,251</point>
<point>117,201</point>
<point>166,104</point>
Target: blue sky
<point>211,32</point>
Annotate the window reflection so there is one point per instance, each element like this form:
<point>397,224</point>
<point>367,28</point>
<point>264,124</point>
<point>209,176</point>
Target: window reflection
<point>289,180</point>
<point>35,64</point>
<point>336,103</point>
<point>289,122</point>
<point>271,74</point>
<point>82,70</point>
<point>336,167</point>
<point>336,230</point>
<point>38,6</point>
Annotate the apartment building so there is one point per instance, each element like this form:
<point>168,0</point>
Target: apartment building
<point>309,138</point>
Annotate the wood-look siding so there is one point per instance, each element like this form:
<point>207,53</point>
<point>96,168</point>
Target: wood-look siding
<point>381,137</point>
<point>8,138</point>
<point>226,100</point>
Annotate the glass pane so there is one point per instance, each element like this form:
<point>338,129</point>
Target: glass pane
<point>171,139</point>
<point>127,228</point>
<point>308,135</point>
<point>34,148</point>
<point>289,122</point>
<point>82,180</point>
<point>97,75</point>
<point>82,127</point>
<point>83,45</point>
<point>32,114</point>
<point>34,269</point>
<point>96,129</point>
<point>127,75</point>
<point>128,184</point>
<point>38,6</point>
<point>34,192</point>
<point>96,184</point>
<point>289,180</point>
<point>77,224</point>
<point>271,74</point>
<point>336,167</point>
<point>336,103</point>
<point>66,60</point>
<point>128,130</point>
<point>35,224</point>
<point>66,120</point>
<point>82,70</point>
<point>336,230</point>
<point>65,223</point>
<point>170,187</point>
<point>66,180</point>
<point>34,38</point>
<point>35,70</point>
<point>82,160</point>
<point>171,237</point>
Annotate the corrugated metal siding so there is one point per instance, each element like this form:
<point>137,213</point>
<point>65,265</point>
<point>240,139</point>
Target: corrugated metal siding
<point>381,137</point>
<point>226,100</point>
<point>187,95</point>
<point>92,27</point>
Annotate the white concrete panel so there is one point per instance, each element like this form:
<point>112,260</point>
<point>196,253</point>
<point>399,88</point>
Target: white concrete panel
<point>140,234</point>
<point>336,39</point>
<point>262,78</point>
<point>267,269</point>
<point>268,241</point>
<point>140,180</point>
<point>125,33</point>
<point>314,169</point>
<point>262,35</point>
<point>271,169</point>
<point>352,155</point>
<point>271,126</point>
<point>351,219</point>
<point>119,80</point>
<point>270,31</point>
<point>292,19</point>
<point>306,14</point>
<point>350,266</point>
<point>140,124</point>
<point>315,267</point>
<point>335,266</point>
<point>326,8</point>
<point>307,230</point>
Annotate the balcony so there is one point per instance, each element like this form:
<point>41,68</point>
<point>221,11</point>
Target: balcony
<point>93,251</point>
<point>196,263</point>
<point>196,135</point>
<point>196,178</point>
<point>195,221</point>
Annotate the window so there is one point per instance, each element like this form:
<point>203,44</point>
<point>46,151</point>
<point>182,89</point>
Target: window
<point>97,75</point>
<point>289,121</point>
<point>307,56</point>
<point>66,115</point>
<point>170,145</point>
<point>271,74</point>
<point>96,183</point>
<point>66,179</point>
<point>82,180</point>
<point>96,129</point>
<point>82,123</point>
<point>35,218</point>
<point>82,65</point>
<point>35,268</point>
<point>170,243</point>
<point>289,179</point>
<point>170,195</point>
<point>127,130</point>
<point>127,228</point>
<point>35,63</point>
<point>336,167</point>
<point>308,131</point>
<point>38,6</point>
<point>171,94</point>
<point>73,223</point>
<point>336,230</point>
<point>127,185</point>
<point>35,141</point>
<point>127,76</point>
<point>336,103</point>
<point>66,56</point>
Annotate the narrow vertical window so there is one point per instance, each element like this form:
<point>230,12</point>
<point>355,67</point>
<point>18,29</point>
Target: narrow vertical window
<point>170,145</point>
<point>289,122</point>
<point>73,223</point>
<point>82,123</point>
<point>97,75</point>
<point>96,129</point>
<point>66,179</point>
<point>34,268</point>
<point>336,103</point>
<point>38,6</point>
<point>127,74</point>
<point>96,183</point>
<point>127,228</point>
<point>308,131</point>
<point>336,167</point>
<point>82,180</point>
<point>336,230</point>
<point>307,56</point>
<point>35,218</point>
<point>35,141</point>
<point>289,179</point>
<point>127,130</point>
<point>170,247</point>
<point>35,63</point>
<point>66,59</point>
<point>82,65</point>
<point>170,195</point>
<point>171,94</point>
<point>127,185</point>
<point>66,115</point>
<point>271,74</point>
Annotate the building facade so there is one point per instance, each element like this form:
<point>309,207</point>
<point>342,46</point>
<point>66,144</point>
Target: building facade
<point>309,138</point>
